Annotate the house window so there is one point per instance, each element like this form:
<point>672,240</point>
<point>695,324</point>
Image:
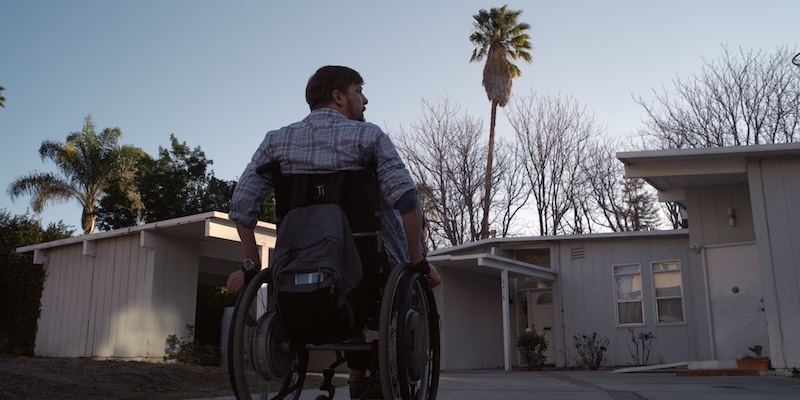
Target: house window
<point>628,283</point>
<point>668,291</point>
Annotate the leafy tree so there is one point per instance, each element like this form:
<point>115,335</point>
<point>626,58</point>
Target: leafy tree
<point>173,185</point>
<point>2,98</point>
<point>21,281</point>
<point>177,184</point>
<point>87,161</point>
<point>500,38</point>
<point>747,98</point>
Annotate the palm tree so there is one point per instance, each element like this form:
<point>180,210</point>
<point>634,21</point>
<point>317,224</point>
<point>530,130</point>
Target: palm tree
<point>88,162</point>
<point>498,36</point>
<point>2,98</point>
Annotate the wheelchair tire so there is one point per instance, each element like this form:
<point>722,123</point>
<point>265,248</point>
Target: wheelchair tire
<point>259,351</point>
<point>408,344</point>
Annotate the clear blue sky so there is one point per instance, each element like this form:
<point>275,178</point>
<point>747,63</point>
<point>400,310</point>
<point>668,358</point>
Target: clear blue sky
<point>219,75</point>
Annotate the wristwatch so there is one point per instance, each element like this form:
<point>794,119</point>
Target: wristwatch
<point>249,265</point>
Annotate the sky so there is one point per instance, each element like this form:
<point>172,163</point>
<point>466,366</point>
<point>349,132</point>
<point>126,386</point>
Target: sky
<point>221,74</point>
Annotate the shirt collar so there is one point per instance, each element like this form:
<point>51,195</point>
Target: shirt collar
<point>325,112</point>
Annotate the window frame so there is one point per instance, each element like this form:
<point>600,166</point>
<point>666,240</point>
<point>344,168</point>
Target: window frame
<point>656,298</point>
<point>617,301</point>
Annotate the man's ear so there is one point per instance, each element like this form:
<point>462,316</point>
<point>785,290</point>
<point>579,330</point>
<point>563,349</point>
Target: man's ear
<point>338,97</point>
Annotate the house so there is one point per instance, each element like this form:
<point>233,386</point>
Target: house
<point>119,294</point>
<point>565,286</point>
<point>707,293</point>
<point>729,281</point>
<point>744,232</point>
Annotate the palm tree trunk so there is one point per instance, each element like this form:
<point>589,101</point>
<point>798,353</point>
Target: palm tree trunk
<point>487,192</point>
<point>88,220</point>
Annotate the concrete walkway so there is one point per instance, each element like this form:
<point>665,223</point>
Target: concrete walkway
<point>599,385</point>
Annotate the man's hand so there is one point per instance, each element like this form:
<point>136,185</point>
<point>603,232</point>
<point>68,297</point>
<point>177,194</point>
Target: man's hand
<point>434,279</point>
<point>235,282</point>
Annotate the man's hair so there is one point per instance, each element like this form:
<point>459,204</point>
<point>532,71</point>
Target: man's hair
<point>327,79</point>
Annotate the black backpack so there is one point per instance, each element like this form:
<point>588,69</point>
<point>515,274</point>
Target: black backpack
<point>315,267</point>
<point>321,291</point>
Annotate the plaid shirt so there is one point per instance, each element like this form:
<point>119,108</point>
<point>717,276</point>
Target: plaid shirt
<point>328,141</point>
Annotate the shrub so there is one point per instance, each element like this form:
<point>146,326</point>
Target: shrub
<point>21,281</point>
<point>591,349</point>
<point>188,351</point>
<point>532,346</point>
<point>640,353</point>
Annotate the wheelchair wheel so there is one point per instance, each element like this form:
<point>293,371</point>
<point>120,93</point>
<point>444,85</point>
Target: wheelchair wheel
<point>259,351</point>
<point>408,344</point>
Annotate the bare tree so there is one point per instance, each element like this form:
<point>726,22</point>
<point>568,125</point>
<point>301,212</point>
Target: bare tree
<point>445,154</point>
<point>617,203</point>
<point>553,134</point>
<point>673,212</point>
<point>744,98</point>
<point>605,181</point>
<point>511,189</point>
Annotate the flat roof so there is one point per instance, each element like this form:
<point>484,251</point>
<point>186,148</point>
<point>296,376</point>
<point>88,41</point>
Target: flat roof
<point>212,224</point>
<point>675,169</point>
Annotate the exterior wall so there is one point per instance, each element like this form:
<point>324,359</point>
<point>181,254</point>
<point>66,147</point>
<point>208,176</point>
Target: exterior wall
<point>121,302</point>
<point>708,226</point>
<point>174,290</point>
<point>708,215</point>
<point>472,334</point>
<point>63,324</point>
<point>586,290</point>
<point>85,303</point>
<point>776,195</point>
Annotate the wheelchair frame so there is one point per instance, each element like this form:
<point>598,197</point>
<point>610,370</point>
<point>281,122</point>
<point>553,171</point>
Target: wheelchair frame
<point>264,361</point>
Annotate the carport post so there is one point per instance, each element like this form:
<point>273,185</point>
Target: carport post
<point>506,320</point>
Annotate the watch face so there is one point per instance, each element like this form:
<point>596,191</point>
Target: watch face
<point>249,265</point>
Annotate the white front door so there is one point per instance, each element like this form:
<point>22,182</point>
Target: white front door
<point>738,320</point>
<point>540,316</point>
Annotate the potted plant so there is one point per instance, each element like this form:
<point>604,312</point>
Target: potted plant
<point>755,361</point>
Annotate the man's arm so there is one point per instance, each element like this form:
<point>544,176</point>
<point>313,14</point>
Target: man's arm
<point>248,238</point>
<point>412,224</point>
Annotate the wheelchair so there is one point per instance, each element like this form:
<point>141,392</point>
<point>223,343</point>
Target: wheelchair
<point>264,360</point>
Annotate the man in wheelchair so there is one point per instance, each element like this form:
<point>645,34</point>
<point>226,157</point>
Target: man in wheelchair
<point>334,137</point>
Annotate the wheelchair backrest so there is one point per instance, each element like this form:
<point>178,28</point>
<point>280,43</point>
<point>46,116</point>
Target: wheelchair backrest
<point>356,192</point>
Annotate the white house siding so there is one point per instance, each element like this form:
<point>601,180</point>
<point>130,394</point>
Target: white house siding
<point>588,304</point>
<point>112,293</point>
<point>709,228</point>
<point>87,299</point>
<point>120,302</point>
<point>62,327</point>
<point>776,195</point>
<point>174,290</point>
<point>708,215</point>
<point>472,326</point>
